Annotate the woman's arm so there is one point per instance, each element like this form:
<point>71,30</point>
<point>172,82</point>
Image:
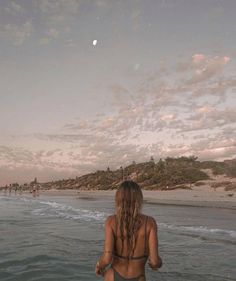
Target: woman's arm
<point>155,260</point>
<point>106,258</point>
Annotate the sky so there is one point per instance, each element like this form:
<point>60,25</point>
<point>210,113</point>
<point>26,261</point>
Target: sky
<point>161,82</point>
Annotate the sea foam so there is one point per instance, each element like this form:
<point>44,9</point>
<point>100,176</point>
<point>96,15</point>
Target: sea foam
<point>54,209</point>
<point>199,229</point>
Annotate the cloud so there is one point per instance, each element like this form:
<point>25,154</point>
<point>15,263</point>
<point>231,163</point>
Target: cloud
<point>102,3</point>
<point>215,149</point>
<point>58,8</point>
<point>198,58</point>
<point>166,4</point>
<point>12,154</point>
<point>160,116</point>
<point>63,137</point>
<point>56,18</point>
<point>58,13</point>
<point>136,18</point>
<point>13,8</point>
<point>19,156</point>
<point>202,67</point>
<point>52,33</point>
<point>70,43</point>
<point>16,34</point>
<point>81,125</point>
<point>119,89</point>
<point>79,156</point>
<point>208,68</point>
<point>23,174</point>
<point>210,148</point>
<point>208,118</point>
<point>158,106</point>
<point>44,41</point>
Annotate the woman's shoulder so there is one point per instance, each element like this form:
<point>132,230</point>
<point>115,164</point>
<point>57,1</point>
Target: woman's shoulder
<point>151,222</point>
<point>110,220</point>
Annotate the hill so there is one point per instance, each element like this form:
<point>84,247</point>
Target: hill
<point>166,174</point>
<point>170,173</point>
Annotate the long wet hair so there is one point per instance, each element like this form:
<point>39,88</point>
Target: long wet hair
<point>129,200</point>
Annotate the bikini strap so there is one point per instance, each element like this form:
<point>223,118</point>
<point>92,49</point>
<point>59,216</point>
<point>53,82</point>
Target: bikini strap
<point>115,232</point>
<point>145,236</point>
<point>115,226</point>
<point>115,235</point>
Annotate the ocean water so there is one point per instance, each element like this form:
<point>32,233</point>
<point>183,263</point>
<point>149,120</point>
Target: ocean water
<point>61,238</point>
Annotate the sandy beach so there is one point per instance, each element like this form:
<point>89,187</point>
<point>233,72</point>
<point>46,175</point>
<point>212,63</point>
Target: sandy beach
<point>199,196</point>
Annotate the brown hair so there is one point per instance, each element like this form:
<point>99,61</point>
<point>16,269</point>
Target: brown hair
<point>129,200</point>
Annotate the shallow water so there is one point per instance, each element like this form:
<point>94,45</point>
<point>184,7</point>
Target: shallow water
<point>60,238</point>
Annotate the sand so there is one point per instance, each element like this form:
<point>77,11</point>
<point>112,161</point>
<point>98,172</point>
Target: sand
<point>198,196</point>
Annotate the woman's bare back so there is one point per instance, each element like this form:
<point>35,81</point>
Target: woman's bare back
<point>133,267</point>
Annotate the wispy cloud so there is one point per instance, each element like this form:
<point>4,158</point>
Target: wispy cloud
<point>16,34</point>
<point>207,67</point>
<point>13,8</point>
<point>58,9</point>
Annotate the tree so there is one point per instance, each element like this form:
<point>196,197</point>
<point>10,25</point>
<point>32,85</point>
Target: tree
<point>161,166</point>
<point>122,173</point>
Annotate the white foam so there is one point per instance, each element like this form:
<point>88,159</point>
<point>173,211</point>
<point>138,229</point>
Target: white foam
<point>199,229</point>
<point>54,209</point>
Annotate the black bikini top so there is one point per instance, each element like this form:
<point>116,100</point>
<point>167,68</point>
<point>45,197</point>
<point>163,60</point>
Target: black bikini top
<point>145,246</point>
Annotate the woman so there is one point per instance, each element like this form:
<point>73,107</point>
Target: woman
<point>130,238</point>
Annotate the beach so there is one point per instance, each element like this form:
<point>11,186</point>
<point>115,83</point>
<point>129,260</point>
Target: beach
<point>198,196</point>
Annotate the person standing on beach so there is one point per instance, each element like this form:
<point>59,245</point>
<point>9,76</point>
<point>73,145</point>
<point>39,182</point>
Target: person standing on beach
<point>130,238</point>
<point>10,188</point>
<point>16,187</point>
<point>20,189</point>
<point>37,189</point>
<point>34,190</point>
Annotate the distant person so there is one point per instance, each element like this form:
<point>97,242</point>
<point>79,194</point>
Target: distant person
<point>130,238</point>
<point>34,190</point>
<point>37,189</point>
<point>10,189</point>
<point>20,189</point>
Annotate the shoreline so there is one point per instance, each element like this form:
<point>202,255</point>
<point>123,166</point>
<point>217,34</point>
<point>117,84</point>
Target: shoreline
<point>187,198</point>
<point>191,198</point>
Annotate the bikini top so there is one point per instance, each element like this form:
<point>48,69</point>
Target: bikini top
<point>145,246</point>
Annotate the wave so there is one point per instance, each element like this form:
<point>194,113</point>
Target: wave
<point>199,229</point>
<point>54,209</point>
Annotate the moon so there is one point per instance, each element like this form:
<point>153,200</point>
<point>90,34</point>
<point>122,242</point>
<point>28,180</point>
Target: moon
<point>95,42</point>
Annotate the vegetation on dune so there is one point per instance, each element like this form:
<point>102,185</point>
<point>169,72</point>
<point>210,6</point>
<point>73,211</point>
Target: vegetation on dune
<point>220,184</point>
<point>230,187</point>
<point>227,167</point>
<point>170,172</point>
<point>166,174</point>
